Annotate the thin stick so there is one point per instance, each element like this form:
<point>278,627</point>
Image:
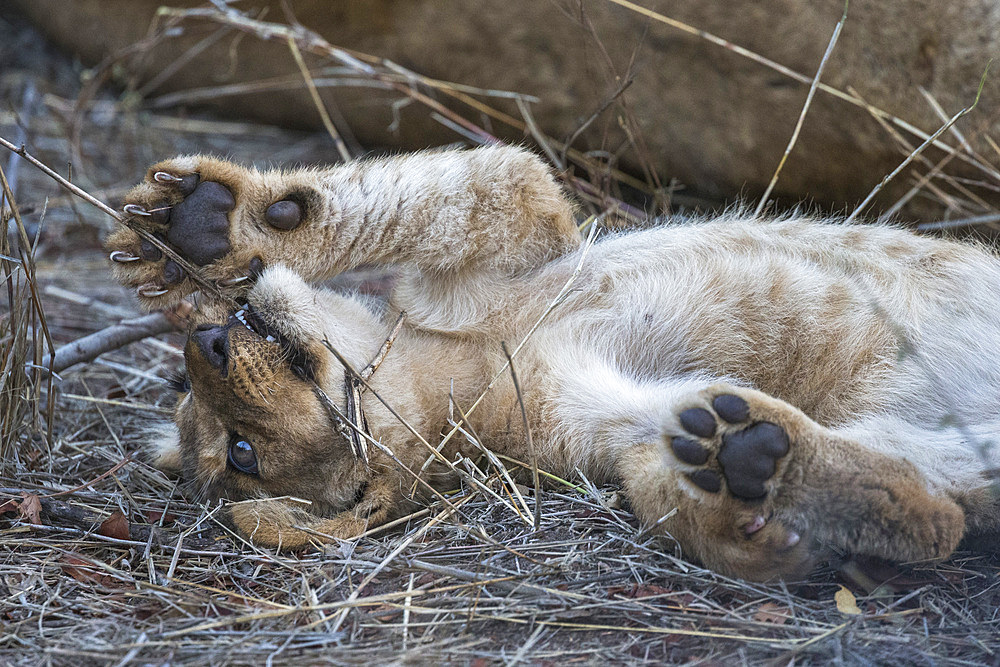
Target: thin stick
<point>594,116</point>
<point>376,361</point>
<point>906,148</point>
<point>920,149</point>
<point>805,108</point>
<point>939,110</point>
<point>82,194</point>
<point>318,101</point>
<point>118,466</point>
<point>537,134</point>
<point>527,435</point>
<point>964,222</point>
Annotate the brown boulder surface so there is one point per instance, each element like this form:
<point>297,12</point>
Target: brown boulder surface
<point>697,112</point>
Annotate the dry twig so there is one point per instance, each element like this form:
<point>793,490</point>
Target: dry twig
<point>805,109</point>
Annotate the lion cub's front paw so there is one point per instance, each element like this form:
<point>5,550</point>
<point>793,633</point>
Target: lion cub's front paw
<point>203,209</point>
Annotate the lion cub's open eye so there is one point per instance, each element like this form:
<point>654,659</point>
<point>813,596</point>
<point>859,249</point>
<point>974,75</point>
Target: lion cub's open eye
<point>241,455</point>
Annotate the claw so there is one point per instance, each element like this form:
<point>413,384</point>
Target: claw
<point>164,177</point>
<point>135,209</point>
<point>149,290</point>
<point>229,282</point>
<point>123,257</point>
<point>755,525</point>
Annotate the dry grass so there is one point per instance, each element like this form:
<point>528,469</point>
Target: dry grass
<point>173,585</point>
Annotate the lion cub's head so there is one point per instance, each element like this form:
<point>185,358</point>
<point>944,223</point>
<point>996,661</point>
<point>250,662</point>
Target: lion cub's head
<point>250,423</point>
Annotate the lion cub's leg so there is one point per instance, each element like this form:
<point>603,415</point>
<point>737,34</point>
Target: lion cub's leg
<point>745,482</point>
<point>614,427</point>
<point>447,213</point>
<point>743,450</point>
<point>285,524</point>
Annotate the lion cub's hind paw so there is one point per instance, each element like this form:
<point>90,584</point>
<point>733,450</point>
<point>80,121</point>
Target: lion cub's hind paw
<point>726,444</point>
<point>732,446</point>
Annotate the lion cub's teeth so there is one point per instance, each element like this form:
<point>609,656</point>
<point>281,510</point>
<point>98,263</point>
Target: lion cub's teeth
<point>241,316</point>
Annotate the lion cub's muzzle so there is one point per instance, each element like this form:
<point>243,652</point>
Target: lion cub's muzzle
<point>247,334</point>
<point>212,341</point>
<point>247,358</point>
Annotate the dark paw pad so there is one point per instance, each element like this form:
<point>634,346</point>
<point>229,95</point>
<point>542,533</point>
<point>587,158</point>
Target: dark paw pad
<point>149,252</point>
<point>732,408</point>
<point>698,421</point>
<point>187,184</point>
<point>749,457</point>
<point>706,480</point>
<point>172,272</point>
<point>689,451</point>
<point>285,214</point>
<point>199,225</point>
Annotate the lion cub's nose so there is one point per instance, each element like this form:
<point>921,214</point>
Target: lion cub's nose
<point>213,342</point>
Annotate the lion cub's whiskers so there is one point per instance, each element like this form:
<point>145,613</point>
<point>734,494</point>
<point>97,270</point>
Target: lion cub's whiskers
<point>342,424</point>
<point>353,425</point>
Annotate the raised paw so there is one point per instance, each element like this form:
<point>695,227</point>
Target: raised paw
<point>214,215</point>
<point>728,447</point>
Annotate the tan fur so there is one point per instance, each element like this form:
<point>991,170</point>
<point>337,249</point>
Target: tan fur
<point>696,111</point>
<point>871,347</point>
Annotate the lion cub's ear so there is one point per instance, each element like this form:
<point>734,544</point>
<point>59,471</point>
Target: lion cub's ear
<point>163,447</point>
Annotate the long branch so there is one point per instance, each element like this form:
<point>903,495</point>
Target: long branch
<point>111,338</point>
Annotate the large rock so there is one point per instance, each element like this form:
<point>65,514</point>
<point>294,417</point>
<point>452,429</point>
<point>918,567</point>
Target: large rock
<point>706,116</point>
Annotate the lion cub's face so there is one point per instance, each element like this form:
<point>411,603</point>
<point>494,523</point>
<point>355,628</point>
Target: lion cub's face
<point>250,424</point>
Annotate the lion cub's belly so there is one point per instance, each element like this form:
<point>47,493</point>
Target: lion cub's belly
<point>791,309</point>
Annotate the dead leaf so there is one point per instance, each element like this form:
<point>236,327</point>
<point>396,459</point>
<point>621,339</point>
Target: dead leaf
<point>81,570</point>
<point>88,572</point>
<point>639,590</point>
<point>153,517</point>
<point>771,612</point>
<point>8,507</point>
<point>846,604</point>
<point>115,526</point>
<point>31,509</point>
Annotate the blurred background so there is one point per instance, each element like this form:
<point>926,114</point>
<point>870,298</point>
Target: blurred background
<point>685,103</point>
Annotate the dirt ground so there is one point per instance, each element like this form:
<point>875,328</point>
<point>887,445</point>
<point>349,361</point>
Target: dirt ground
<point>103,559</point>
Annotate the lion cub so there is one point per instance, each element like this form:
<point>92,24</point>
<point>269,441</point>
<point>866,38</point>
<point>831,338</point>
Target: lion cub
<point>766,392</point>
